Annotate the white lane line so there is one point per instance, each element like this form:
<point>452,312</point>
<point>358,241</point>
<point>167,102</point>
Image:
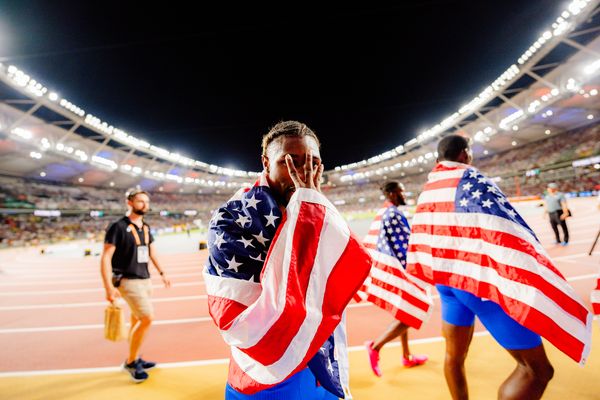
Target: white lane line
<point>200,297</point>
<point>96,280</point>
<point>99,326</point>
<point>197,363</point>
<point>91,290</point>
<point>95,303</point>
<point>582,277</point>
<point>44,274</point>
<point>168,322</point>
<point>578,255</point>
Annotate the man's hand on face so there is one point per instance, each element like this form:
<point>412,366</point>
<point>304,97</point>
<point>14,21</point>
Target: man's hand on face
<point>312,173</point>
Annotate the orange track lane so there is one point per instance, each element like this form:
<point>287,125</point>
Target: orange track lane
<point>51,307</point>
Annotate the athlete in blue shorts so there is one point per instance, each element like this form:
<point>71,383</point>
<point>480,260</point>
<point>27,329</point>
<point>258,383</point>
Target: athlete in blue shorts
<point>300,386</point>
<point>459,308</point>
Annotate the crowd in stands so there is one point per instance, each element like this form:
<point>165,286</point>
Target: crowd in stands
<point>31,230</point>
<point>552,156</point>
<point>75,204</point>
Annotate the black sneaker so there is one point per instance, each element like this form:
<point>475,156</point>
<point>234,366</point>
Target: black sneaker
<point>146,364</point>
<point>136,371</point>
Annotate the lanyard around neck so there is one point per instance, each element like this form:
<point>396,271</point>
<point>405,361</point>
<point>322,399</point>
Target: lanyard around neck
<point>137,237</point>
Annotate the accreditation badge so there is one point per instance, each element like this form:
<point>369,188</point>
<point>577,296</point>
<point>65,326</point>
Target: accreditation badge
<point>143,254</point>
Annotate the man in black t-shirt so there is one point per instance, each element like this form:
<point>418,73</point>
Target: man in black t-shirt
<point>128,247</point>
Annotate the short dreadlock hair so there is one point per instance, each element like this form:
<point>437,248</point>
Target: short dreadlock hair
<point>287,128</point>
<point>390,186</point>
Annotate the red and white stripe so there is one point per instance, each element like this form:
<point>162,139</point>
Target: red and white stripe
<point>496,259</point>
<point>390,287</point>
<point>313,268</point>
<point>595,298</point>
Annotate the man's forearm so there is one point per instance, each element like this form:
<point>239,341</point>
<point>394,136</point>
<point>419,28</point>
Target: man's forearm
<point>158,268</point>
<point>106,271</point>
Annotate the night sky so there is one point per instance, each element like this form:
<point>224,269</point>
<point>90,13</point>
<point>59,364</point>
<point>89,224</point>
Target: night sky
<point>210,83</point>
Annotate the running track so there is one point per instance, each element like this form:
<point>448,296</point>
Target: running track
<point>51,306</point>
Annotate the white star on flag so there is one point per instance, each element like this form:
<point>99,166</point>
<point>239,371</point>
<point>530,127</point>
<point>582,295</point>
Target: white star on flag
<point>252,202</point>
<point>476,194</point>
<point>242,220</point>
<point>232,264</point>
<point>246,242</point>
<point>467,186</point>
<point>464,202</point>
<point>219,240</point>
<point>487,203</point>
<point>261,238</point>
<point>271,218</point>
<point>218,216</point>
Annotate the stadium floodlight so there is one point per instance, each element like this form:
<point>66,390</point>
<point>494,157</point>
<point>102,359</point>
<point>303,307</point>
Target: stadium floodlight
<point>547,131</point>
<point>71,107</point>
<point>22,133</point>
<point>514,143</point>
<point>42,174</point>
<point>590,116</point>
<point>410,142</point>
<point>112,184</point>
<point>592,68</point>
<point>506,122</point>
<point>80,180</point>
<point>81,154</point>
<point>45,144</point>
<point>104,162</point>
<point>35,154</point>
<point>533,106</point>
<point>98,124</point>
<point>485,152</point>
<point>52,96</point>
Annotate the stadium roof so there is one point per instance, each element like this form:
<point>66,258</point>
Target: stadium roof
<point>553,86</point>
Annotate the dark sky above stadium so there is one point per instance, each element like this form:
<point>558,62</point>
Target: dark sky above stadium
<point>208,81</point>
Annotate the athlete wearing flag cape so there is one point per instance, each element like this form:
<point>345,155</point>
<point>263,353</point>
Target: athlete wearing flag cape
<point>283,265</point>
<point>484,259</point>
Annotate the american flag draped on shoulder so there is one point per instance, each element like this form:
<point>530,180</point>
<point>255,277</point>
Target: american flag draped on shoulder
<point>465,234</point>
<point>278,285</point>
<point>388,285</point>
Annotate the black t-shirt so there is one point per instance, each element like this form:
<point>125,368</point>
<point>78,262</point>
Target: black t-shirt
<point>124,260</point>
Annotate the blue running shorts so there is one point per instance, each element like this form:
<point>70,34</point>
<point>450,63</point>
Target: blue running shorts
<point>300,386</point>
<point>460,307</point>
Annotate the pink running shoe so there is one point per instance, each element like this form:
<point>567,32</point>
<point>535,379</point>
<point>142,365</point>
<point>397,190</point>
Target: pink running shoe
<point>414,360</point>
<point>373,357</point>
